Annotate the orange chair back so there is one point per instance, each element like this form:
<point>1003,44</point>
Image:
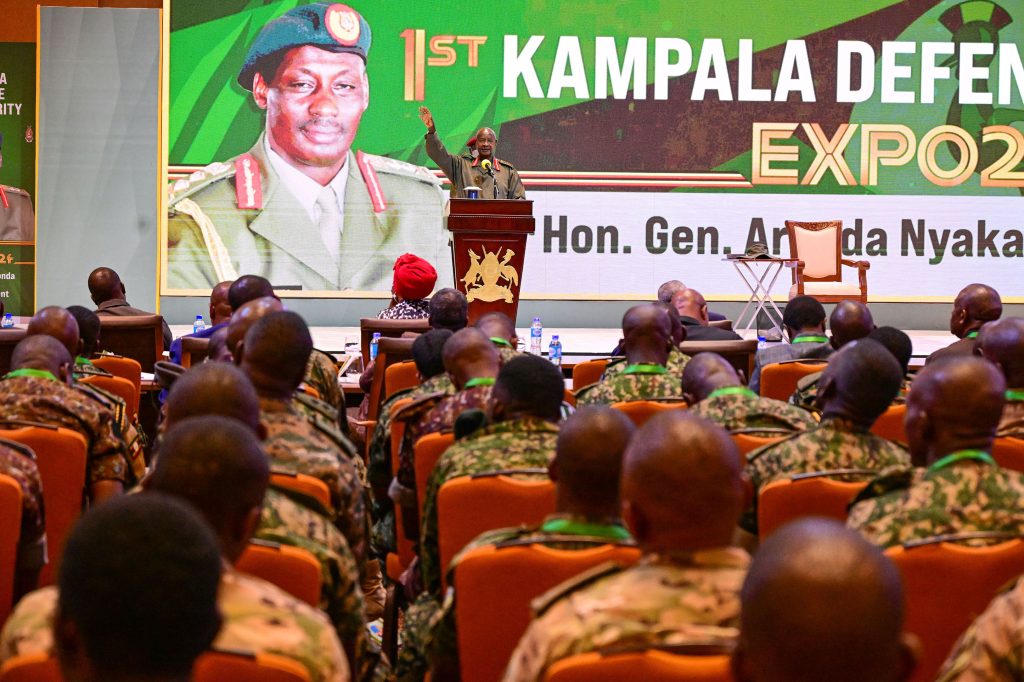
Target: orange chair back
<point>61,457</point>
<point>122,388</point>
<point>31,668</point>
<point>397,562</point>
<point>126,368</point>
<point>569,397</point>
<point>10,530</point>
<point>890,424</point>
<point>645,666</point>
<point>780,502</point>
<point>748,442</point>
<point>214,666</point>
<point>587,373</point>
<point>470,505</point>
<point>641,411</point>
<point>495,588</point>
<point>400,376</point>
<point>779,380</point>
<point>426,452</point>
<point>947,586</point>
<point>305,485</point>
<point>293,569</point>
<point>1009,452</point>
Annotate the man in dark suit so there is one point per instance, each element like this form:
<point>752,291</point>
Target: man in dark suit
<point>693,314</point>
<point>108,293</point>
<point>975,305</point>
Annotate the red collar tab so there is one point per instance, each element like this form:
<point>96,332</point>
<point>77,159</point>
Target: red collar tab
<point>372,183</point>
<point>3,198</point>
<point>496,162</point>
<point>248,186</point>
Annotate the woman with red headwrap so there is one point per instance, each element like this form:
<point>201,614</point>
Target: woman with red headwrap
<point>413,282</point>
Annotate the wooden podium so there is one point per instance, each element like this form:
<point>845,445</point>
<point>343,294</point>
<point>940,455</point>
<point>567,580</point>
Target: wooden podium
<point>488,247</point>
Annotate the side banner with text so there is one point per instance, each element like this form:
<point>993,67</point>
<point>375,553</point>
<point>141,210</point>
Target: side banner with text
<point>655,139</point>
<point>17,177</point>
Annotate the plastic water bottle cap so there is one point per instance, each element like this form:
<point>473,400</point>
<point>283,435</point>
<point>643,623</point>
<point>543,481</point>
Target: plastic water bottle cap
<point>762,338</point>
<point>376,335</point>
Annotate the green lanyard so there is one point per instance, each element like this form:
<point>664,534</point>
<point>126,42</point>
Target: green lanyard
<point>972,335</point>
<point>731,390</point>
<point>645,368</point>
<point>1015,394</point>
<point>573,527</point>
<point>811,339</point>
<point>82,360</point>
<point>37,373</point>
<point>479,381</point>
<point>961,455</point>
<point>498,341</point>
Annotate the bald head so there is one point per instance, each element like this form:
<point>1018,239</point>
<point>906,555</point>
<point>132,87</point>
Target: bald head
<point>859,383</point>
<point>667,290</point>
<point>217,350</point>
<point>954,404</point>
<point>1002,343</point>
<point>705,373</point>
<point>677,333</point>
<point>57,323</point>
<point>975,305</point>
<point>105,285</point>
<point>681,486</point>
<point>248,288</point>
<point>821,603</point>
<point>43,353</point>
<point>276,351</point>
<point>498,326</point>
<point>690,303</point>
<point>448,309</point>
<point>88,328</point>
<point>588,462</point>
<point>646,331</point>
<point>220,307</point>
<point>245,317</point>
<point>468,354</point>
<point>213,388</point>
<point>851,320</point>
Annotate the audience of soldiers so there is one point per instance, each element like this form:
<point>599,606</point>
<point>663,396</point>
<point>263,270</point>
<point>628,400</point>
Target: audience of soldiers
<point>253,450</point>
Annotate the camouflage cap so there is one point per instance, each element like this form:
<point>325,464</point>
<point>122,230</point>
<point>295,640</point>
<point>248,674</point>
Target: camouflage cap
<point>329,26</point>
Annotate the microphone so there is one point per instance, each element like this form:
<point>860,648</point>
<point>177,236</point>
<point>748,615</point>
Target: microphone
<point>487,166</point>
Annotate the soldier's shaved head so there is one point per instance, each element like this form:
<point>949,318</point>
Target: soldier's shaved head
<point>276,352</point>
<point>220,306</point>
<point>707,372</point>
<point>954,404</point>
<point>681,485</point>
<point>859,383</point>
<point>690,303</point>
<point>975,305</point>
<point>213,388</point>
<point>448,309</point>
<point>498,325</point>
<point>821,603</point>
<point>468,354</point>
<point>528,385</point>
<point>88,328</point>
<point>248,288</point>
<point>646,331</point>
<point>217,350</point>
<point>105,285</point>
<point>42,352</point>
<point>428,352</point>
<point>678,331</point>
<point>245,317</point>
<point>58,323</point>
<point>588,462</point>
<point>667,290</point>
<point>1002,343</point>
<point>851,320</point>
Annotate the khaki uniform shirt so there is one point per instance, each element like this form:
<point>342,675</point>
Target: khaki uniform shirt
<point>17,221</point>
<point>675,365</point>
<point>322,374</point>
<point>625,386</point>
<point>210,239</point>
<point>1012,423</point>
<point>465,171</point>
<point>740,409</point>
<point>663,600</point>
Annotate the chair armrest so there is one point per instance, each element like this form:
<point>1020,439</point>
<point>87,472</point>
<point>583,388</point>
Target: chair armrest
<point>862,271</point>
<point>859,264</point>
<point>798,275</point>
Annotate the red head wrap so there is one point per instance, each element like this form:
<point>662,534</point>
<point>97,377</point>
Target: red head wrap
<point>414,277</point>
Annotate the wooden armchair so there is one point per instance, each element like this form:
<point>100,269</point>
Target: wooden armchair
<point>392,329</point>
<point>139,337</point>
<point>818,270</point>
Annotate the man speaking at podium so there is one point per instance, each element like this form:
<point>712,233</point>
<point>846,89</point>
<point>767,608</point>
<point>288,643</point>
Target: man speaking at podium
<point>496,178</point>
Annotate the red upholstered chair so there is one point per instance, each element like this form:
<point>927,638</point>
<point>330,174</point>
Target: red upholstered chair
<point>818,272</point>
<point>813,494</point>
<point>293,569</point>
<point>306,485</point>
<point>652,665</point>
<point>10,530</point>
<point>426,452</point>
<point>587,373</point>
<point>779,379</point>
<point>126,368</point>
<point>122,388</point>
<point>1009,452</point>
<point>641,411</point>
<point>400,376</point>
<point>890,424</point>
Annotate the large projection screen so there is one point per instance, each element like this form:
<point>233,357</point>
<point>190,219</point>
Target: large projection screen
<point>655,138</point>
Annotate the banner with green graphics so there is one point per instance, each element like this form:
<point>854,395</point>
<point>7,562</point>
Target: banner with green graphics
<point>657,137</point>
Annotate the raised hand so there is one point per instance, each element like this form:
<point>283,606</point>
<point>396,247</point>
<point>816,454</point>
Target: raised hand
<point>427,118</point>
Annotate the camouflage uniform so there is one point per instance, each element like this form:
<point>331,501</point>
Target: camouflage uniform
<point>736,408</point>
<point>298,445</point>
<point>315,409</point>
<point>914,504</point>
<point>48,401</point>
<point>1012,423</point>
<point>992,648</point>
<point>665,599</point>
<point>128,429</point>
<point>506,351</point>
<point>322,374</point>
<point>258,618</point>
<point>675,364</point>
<point>19,462</point>
<point>626,385</point>
<point>833,444</point>
<point>807,392</point>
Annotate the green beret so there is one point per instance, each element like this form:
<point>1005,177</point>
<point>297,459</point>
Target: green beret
<point>329,26</point>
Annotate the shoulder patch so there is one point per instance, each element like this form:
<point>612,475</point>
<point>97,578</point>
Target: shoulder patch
<point>201,179</point>
<point>545,601</point>
<point>384,164</point>
<point>506,164</point>
<point>419,407</point>
<point>886,483</point>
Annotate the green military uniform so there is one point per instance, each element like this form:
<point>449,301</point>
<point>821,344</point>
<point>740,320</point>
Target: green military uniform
<point>961,493</point>
<point>517,444</point>
<point>1011,425</point>
<point>506,351</point>
<point>466,171</point>
<point>128,429</point>
<point>634,382</point>
<point>430,627</point>
<point>299,445</point>
<point>737,408</point>
<point>211,240</point>
<point>992,648</point>
<point>666,599</point>
<point>322,374</point>
<point>37,396</point>
<point>17,219</point>
<point>675,364</point>
<point>19,462</point>
<point>258,618</point>
<point>807,392</point>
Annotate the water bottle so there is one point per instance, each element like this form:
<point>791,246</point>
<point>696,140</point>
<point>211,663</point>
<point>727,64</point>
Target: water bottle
<point>199,325</point>
<point>8,321</point>
<point>536,333</point>
<point>374,345</point>
<point>762,342</point>
<point>555,351</point>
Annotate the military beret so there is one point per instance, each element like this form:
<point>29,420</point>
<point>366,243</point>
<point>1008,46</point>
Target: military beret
<point>329,26</point>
